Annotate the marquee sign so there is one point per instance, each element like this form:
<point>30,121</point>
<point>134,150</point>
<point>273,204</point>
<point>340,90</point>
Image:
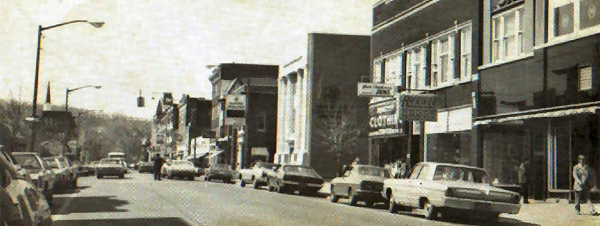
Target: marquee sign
<point>417,107</point>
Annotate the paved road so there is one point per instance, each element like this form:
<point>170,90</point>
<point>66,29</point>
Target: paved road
<point>139,200</point>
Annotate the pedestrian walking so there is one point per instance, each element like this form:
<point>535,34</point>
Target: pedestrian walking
<point>523,180</point>
<point>158,162</point>
<point>584,182</point>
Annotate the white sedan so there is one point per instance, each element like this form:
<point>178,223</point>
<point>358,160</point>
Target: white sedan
<point>180,169</point>
<point>450,189</point>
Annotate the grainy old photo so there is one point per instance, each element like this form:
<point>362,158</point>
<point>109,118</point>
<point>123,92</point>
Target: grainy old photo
<point>299,112</point>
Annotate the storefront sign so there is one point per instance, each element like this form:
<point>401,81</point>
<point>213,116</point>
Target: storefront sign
<point>235,102</point>
<point>235,121</point>
<point>384,115</point>
<point>417,107</point>
<point>376,89</point>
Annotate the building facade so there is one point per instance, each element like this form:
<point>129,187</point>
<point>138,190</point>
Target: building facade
<point>317,92</point>
<point>164,128</point>
<point>538,91</point>
<point>194,117</point>
<point>428,47</point>
<point>227,125</point>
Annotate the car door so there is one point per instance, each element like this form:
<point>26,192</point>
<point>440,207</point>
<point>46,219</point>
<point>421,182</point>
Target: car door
<point>421,184</point>
<point>405,188</point>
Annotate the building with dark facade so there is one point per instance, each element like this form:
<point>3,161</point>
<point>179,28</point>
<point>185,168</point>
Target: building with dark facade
<point>321,120</point>
<point>425,47</point>
<point>194,117</point>
<point>538,91</point>
<point>165,127</point>
<point>228,120</point>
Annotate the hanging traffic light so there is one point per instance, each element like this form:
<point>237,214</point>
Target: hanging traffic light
<point>140,101</point>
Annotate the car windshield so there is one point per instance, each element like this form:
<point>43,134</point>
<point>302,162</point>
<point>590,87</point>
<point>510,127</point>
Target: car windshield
<point>110,161</point>
<point>182,163</point>
<point>373,171</point>
<point>221,166</point>
<point>52,163</point>
<point>270,165</point>
<point>300,170</point>
<point>453,173</point>
<point>28,161</point>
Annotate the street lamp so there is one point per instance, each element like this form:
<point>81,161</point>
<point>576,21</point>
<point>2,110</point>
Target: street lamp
<point>37,70</point>
<point>71,90</point>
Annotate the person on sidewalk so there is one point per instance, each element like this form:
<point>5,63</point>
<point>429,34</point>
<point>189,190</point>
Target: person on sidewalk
<point>158,162</point>
<point>524,181</point>
<point>584,177</point>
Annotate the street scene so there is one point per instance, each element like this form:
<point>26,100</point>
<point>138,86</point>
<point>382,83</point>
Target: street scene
<point>299,112</point>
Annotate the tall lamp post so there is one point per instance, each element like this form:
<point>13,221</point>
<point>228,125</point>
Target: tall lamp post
<point>37,70</point>
<point>71,90</point>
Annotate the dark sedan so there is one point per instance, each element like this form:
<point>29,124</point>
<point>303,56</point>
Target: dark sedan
<point>219,172</point>
<point>291,178</point>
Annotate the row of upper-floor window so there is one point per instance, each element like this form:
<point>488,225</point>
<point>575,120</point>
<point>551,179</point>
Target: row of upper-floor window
<point>437,61</point>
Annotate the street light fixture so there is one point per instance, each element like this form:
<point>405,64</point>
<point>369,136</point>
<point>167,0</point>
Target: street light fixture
<point>37,70</point>
<point>78,88</point>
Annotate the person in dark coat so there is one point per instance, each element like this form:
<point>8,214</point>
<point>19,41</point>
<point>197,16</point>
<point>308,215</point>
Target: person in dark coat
<point>158,162</point>
<point>524,181</point>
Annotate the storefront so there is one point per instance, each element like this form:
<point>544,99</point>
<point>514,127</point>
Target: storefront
<point>448,140</point>
<point>388,141</point>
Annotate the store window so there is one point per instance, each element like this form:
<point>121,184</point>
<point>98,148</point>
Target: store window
<point>571,17</point>
<point>507,34</point>
<point>503,152</point>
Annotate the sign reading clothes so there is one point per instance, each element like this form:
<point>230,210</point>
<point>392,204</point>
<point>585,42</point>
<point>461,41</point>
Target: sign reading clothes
<point>417,107</point>
<point>384,115</point>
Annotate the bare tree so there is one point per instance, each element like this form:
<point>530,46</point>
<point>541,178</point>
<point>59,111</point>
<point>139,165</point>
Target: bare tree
<point>339,127</point>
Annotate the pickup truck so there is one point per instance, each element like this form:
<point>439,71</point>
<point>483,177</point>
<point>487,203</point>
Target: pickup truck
<point>256,174</point>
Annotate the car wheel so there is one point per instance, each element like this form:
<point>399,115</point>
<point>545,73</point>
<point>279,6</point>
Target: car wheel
<point>431,211</point>
<point>99,176</point>
<point>392,206</point>
<point>353,198</point>
<point>242,183</point>
<point>255,184</point>
<point>493,217</point>
<point>121,176</point>
<point>332,197</point>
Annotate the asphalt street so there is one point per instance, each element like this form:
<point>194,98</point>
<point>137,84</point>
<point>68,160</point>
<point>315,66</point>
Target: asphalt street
<point>139,200</point>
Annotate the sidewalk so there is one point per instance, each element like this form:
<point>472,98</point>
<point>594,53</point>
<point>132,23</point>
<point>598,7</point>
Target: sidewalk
<point>541,212</point>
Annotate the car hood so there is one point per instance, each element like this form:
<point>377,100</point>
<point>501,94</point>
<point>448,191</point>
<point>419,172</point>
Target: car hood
<point>184,167</point>
<point>368,178</point>
<point>110,165</point>
<point>443,185</point>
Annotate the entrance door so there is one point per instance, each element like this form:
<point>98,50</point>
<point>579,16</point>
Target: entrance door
<point>559,158</point>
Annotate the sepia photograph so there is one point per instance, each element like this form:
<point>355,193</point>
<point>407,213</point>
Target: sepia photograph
<point>299,112</point>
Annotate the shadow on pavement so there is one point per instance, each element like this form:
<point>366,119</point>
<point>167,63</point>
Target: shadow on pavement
<point>71,191</point>
<point>94,204</point>
<point>464,220</point>
<point>171,221</point>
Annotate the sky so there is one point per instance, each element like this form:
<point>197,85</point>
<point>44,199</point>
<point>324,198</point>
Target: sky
<point>154,46</point>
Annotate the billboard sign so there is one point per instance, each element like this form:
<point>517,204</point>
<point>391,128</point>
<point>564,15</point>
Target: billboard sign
<point>384,115</point>
<point>235,102</point>
<point>417,107</point>
<point>376,89</point>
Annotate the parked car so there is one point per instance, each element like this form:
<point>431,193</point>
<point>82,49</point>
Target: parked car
<point>61,171</point>
<point>181,169</point>
<point>450,189</point>
<point>40,173</point>
<point>221,172</point>
<point>256,174</point>
<point>110,167</point>
<point>86,169</point>
<point>291,178</point>
<point>146,167</point>
<point>22,202</point>
<point>359,183</point>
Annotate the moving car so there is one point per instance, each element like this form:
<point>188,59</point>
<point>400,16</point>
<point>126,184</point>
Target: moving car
<point>221,172</point>
<point>291,178</point>
<point>146,167</point>
<point>359,183</point>
<point>22,202</point>
<point>110,167</point>
<point>450,189</point>
<point>256,174</point>
<point>181,169</point>
<point>38,170</point>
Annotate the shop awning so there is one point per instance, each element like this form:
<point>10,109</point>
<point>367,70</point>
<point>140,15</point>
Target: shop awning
<point>545,114</point>
<point>260,151</point>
